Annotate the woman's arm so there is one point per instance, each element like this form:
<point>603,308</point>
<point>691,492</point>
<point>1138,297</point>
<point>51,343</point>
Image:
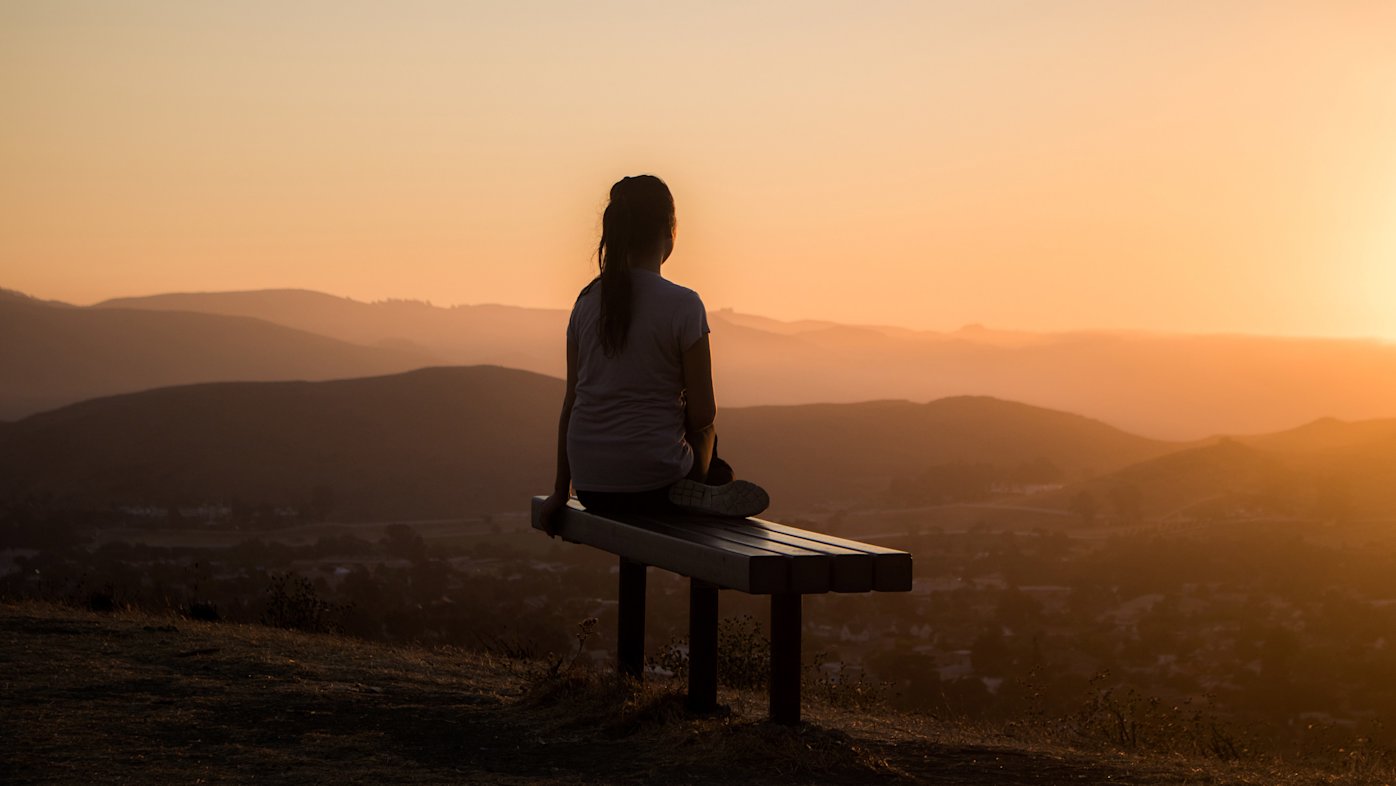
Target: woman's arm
<point>562,481</point>
<point>700,406</point>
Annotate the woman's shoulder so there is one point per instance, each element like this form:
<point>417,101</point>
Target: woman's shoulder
<point>592,284</point>
<point>672,291</point>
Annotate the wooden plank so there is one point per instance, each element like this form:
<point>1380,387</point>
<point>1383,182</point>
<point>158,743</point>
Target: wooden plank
<point>849,570</point>
<point>892,568</point>
<point>689,553</point>
<point>811,571</point>
<point>820,537</point>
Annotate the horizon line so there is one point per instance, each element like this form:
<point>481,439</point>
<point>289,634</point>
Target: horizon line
<point>965,327</point>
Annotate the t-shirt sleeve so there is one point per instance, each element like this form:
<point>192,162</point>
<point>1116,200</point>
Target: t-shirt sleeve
<point>692,322</point>
<point>572,318</point>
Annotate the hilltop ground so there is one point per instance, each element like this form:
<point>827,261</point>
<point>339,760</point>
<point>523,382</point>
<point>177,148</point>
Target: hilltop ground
<point>128,697</point>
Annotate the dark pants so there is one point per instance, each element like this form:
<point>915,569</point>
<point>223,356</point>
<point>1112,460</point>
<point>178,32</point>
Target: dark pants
<point>652,501</point>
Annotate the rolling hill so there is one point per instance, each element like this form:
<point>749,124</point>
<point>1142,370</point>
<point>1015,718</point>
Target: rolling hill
<point>831,453</point>
<point>459,441</point>
<point>433,442</point>
<point>1328,470</point>
<point>1167,386</point>
<point>54,354</point>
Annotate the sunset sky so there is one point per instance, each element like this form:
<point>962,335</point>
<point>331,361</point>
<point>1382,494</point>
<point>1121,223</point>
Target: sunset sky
<point>1182,166</point>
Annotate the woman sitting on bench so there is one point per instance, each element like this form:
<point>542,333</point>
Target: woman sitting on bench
<point>636,432</point>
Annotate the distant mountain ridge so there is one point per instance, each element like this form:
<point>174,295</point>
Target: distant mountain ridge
<point>523,338</point>
<point>1169,386</point>
<point>54,354</point>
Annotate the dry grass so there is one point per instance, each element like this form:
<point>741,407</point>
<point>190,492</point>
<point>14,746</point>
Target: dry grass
<point>133,698</point>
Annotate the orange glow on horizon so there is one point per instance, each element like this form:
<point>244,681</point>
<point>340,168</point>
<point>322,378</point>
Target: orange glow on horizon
<point>1088,165</point>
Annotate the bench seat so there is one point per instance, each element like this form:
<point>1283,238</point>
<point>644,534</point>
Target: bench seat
<point>751,555</point>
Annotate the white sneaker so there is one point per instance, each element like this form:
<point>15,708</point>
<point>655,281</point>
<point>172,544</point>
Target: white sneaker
<point>739,498</point>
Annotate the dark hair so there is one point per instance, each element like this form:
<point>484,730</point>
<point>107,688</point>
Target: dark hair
<point>639,217</point>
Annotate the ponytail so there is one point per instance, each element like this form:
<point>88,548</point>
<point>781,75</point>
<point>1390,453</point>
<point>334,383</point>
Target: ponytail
<point>640,212</point>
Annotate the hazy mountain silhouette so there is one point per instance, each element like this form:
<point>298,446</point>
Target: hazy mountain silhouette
<point>458,441</point>
<point>437,441</point>
<point>528,339</point>
<point>1326,435</point>
<point>831,453</point>
<point>1206,480</point>
<point>54,354</point>
<point>1327,470</point>
<point>1173,386</point>
<point>1352,465</point>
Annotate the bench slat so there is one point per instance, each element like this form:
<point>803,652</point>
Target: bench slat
<point>850,571</point>
<point>891,568</point>
<point>820,537</point>
<point>689,553</point>
<point>810,570</point>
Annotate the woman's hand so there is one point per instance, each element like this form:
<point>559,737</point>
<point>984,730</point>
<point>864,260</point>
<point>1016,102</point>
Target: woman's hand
<point>551,514</point>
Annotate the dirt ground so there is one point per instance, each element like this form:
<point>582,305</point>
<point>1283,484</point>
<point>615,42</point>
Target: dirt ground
<point>134,698</point>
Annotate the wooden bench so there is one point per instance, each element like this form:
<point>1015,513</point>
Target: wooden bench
<point>752,555</point>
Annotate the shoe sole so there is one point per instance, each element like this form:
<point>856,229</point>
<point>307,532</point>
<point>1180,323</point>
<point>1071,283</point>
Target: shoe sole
<point>740,498</point>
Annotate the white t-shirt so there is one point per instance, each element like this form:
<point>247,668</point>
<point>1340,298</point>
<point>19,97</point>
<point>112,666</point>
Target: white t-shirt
<point>627,427</point>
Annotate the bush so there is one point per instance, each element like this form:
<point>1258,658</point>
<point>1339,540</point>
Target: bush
<point>292,603</point>
<point>743,654</point>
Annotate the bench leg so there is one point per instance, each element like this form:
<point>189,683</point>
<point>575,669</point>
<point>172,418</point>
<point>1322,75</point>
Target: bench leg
<point>702,646</point>
<point>785,657</point>
<point>630,633</point>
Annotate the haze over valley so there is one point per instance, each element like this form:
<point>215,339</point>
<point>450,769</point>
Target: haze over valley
<point>1166,386</point>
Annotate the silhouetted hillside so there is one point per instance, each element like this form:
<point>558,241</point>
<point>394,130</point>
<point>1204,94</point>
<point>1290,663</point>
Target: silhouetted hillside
<point>1354,469</point>
<point>439,441</point>
<point>1325,435</point>
<point>457,441</point>
<point>1328,470</point>
<point>54,354</point>
<point>1173,386</point>
<point>1202,481</point>
<point>831,453</point>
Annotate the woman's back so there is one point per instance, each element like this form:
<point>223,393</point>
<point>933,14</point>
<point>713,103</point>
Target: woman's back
<point>627,427</point>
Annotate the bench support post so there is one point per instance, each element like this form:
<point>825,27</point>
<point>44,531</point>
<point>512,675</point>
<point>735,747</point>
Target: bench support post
<point>785,657</point>
<point>630,628</point>
<point>702,646</point>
